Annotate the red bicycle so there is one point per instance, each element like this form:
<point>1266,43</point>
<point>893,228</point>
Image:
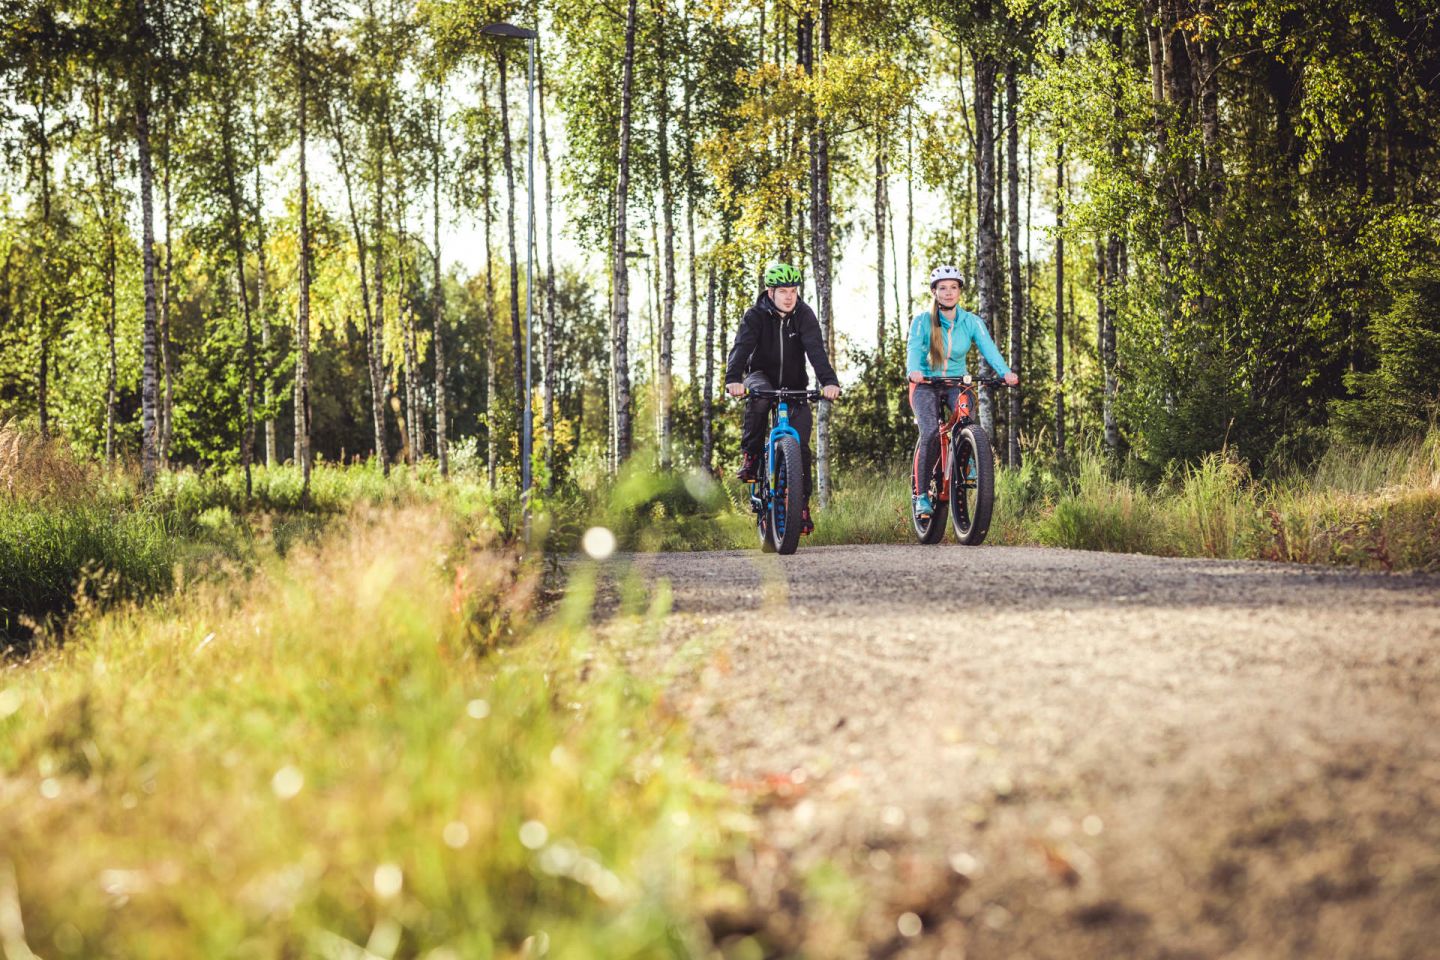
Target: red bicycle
<point>963,481</point>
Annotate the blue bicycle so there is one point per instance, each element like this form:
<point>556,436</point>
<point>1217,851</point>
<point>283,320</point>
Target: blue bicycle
<point>778,497</point>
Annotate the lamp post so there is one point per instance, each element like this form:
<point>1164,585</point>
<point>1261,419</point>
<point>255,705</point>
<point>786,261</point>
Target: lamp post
<point>527,439</point>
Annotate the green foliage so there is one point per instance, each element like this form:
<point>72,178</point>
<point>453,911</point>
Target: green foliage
<point>1274,209</point>
<point>1401,396</point>
<point>873,423</point>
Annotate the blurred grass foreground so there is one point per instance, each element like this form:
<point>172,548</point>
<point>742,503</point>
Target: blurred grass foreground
<point>370,747</point>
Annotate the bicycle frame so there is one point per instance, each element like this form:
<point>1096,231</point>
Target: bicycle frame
<point>957,418</point>
<point>760,492</point>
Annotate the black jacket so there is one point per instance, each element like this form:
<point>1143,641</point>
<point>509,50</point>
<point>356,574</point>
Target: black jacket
<point>777,346</point>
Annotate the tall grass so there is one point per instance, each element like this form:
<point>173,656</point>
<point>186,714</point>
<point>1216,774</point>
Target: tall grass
<point>53,557</point>
<point>369,745</point>
<point>1376,506</point>
<point>34,468</point>
<point>74,532</point>
<point>1101,513</point>
<point>66,537</point>
<point>1366,506</point>
<point>865,508</point>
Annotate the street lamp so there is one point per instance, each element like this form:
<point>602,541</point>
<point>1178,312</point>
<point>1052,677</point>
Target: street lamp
<point>527,440</point>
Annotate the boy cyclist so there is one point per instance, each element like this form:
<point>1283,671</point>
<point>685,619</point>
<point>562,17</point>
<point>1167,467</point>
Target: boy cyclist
<point>776,334</point>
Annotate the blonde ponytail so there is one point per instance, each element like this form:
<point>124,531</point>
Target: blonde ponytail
<point>937,339</point>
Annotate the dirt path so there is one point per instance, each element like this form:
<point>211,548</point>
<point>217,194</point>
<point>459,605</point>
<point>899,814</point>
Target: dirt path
<point>1046,753</point>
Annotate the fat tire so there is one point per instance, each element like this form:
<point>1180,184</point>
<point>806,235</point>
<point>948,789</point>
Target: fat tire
<point>787,499</point>
<point>762,527</point>
<point>933,530</point>
<point>971,509</point>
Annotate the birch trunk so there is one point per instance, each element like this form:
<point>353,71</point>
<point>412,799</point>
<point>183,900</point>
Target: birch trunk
<point>879,247</point>
<point>1060,305</point>
<point>707,396</point>
<point>1017,290</point>
<point>667,315</point>
<point>487,173</point>
<point>105,175</point>
<point>149,390</point>
<point>693,356</point>
<point>437,146</point>
<point>517,344</point>
<point>987,266</point>
<point>302,321</point>
<point>620,308</point>
<point>413,430</point>
<point>167,397</point>
<point>820,231</point>
<point>261,278</point>
<point>550,326</point>
<point>42,384</point>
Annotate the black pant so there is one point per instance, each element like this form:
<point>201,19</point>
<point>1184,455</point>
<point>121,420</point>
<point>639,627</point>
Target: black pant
<point>756,425</point>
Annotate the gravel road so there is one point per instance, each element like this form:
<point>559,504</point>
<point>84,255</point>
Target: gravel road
<point>1020,752</point>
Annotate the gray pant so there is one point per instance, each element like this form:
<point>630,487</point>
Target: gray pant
<point>926,401</point>
<point>756,425</point>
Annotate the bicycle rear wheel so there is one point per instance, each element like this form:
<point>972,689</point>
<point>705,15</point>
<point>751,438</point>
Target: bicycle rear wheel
<point>787,500</point>
<point>762,524</point>
<point>931,530</point>
<point>972,484</point>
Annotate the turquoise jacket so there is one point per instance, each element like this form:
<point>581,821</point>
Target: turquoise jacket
<point>960,333</point>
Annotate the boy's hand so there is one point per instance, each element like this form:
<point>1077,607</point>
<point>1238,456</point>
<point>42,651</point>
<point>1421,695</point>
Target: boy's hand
<point>916,376</point>
<point>830,392</point>
<point>735,389</point>
<point>1012,378</point>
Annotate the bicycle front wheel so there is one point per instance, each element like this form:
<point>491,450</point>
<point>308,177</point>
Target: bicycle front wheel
<point>787,499</point>
<point>972,484</point>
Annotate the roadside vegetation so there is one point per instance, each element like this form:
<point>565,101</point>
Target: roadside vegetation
<point>371,742</point>
<point>1375,506</point>
<point>75,535</point>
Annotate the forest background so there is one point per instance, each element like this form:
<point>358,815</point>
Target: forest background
<point>1193,225</point>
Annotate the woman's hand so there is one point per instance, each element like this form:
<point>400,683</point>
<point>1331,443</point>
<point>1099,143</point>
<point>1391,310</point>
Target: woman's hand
<point>916,376</point>
<point>735,389</point>
<point>830,392</point>
<point>1011,378</point>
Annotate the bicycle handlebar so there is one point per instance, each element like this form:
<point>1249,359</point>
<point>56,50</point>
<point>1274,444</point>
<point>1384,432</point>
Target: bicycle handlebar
<point>965,381</point>
<point>784,394</point>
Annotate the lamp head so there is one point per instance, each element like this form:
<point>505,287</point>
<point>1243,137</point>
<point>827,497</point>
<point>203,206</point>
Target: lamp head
<point>508,30</point>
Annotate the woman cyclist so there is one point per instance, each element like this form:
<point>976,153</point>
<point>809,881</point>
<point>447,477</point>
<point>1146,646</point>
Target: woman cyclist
<point>939,340</point>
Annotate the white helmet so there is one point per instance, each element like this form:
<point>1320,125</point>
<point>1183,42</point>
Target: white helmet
<point>946,272</point>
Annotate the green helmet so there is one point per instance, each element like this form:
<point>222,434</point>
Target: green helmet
<point>779,274</point>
